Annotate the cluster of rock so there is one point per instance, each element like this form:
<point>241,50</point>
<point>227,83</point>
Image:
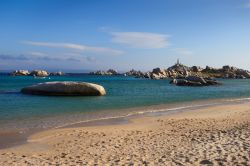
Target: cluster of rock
<point>108,72</point>
<point>194,81</point>
<point>20,73</point>
<point>37,73</point>
<point>135,73</point>
<point>181,71</point>
<point>65,88</point>
<point>235,73</point>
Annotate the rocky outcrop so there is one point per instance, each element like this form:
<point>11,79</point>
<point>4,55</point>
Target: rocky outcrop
<point>112,72</point>
<point>196,69</point>
<point>234,73</point>
<point>180,71</point>
<point>57,73</point>
<point>20,73</point>
<point>158,73</point>
<point>39,73</point>
<point>108,72</point>
<point>135,73</point>
<point>194,81</point>
<point>65,88</point>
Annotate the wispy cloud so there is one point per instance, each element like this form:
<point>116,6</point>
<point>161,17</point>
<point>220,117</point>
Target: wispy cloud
<point>141,39</point>
<point>38,57</point>
<point>77,47</point>
<point>11,57</point>
<point>37,53</point>
<point>183,51</point>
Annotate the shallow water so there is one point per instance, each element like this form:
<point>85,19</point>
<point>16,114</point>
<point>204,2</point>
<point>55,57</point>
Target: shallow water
<point>17,109</point>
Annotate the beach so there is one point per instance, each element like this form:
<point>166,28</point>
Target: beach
<point>212,135</point>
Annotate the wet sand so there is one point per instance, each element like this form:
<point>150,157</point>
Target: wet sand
<point>212,135</point>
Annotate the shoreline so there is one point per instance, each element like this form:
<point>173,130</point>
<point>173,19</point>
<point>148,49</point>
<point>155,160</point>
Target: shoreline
<point>12,138</point>
<point>214,135</point>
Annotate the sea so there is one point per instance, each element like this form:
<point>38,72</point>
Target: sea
<point>126,96</point>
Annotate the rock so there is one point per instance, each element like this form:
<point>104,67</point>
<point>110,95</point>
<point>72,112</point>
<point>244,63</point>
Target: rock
<point>183,82</point>
<point>158,71</point>
<point>155,76</point>
<point>39,73</point>
<point>20,73</point>
<point>196,79</point>
<point>135,73</point>
<point>173,81</point>
<point>196,69</point>
<point>108,72</point>
<point>240,77</point>
<point>244,73</point>
<point>66,88</point>
<point>57,73</point>
<point>206,162</point>
<point>147,75</point>
<point>112,72</point>
<point>212,82</point>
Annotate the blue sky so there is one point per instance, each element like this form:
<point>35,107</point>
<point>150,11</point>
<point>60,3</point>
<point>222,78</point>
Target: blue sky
<point>123,34</point>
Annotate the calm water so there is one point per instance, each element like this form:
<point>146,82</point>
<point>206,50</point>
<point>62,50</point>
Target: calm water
<point>122,92</point>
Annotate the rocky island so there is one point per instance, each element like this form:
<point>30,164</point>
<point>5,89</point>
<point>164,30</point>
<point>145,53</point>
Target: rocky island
<point>179,70</point>
<point>183,75</point>
<point>36,73</point>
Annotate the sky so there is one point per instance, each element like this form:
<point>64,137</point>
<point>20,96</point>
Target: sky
<point>85,35</point>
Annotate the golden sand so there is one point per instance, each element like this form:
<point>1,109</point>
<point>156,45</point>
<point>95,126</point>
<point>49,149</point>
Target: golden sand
<point>216,135</point>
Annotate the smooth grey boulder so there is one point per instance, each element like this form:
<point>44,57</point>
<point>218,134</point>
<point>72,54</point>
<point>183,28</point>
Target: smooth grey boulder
<point>65,88</point>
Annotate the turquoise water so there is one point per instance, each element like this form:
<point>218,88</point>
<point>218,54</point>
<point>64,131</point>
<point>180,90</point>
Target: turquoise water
<point>122,92</point>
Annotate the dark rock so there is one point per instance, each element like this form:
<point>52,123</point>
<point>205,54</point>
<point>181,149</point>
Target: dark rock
<point>206,162</point>
<point>196,79</point>
<point>196,69</point>
<point>57,73</point>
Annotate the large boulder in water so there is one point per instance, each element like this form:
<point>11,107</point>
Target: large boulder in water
<point>66,88</point>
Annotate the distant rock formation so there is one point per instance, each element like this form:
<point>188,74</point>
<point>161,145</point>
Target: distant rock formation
<point>179,71</point>
<point>57,73</point>
<point>39,73</point>
<point>20,73</point>
<point>135,73</point>
<point>65,88</point>
<point>194,81</point>
<point>108,72</point>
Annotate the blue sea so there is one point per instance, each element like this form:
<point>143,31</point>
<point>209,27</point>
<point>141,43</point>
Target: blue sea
<point>123,94</point>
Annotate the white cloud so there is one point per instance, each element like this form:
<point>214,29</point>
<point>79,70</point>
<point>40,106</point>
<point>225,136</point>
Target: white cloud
<point>37,53</point>
<point>76,47</point>
<point>141,39</point>
<point>183,51</point>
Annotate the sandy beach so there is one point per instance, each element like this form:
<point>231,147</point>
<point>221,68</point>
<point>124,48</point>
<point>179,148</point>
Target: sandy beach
<point>215,135</point>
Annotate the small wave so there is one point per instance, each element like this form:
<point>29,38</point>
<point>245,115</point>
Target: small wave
<point>155,111</point>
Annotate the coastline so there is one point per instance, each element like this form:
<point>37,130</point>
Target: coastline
<point>222,119</point>
<point>15,137</point>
